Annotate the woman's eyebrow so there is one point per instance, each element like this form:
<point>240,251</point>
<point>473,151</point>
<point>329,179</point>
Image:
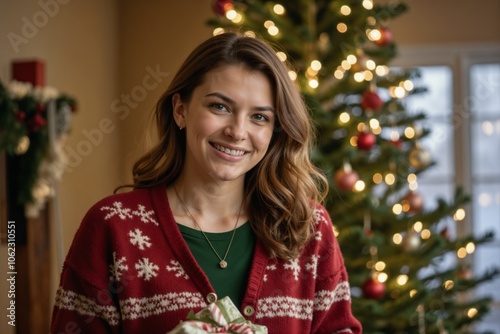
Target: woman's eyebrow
<point>231,101</point>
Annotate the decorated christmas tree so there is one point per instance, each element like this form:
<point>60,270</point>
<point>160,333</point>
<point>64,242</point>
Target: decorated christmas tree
<point>407,272</point>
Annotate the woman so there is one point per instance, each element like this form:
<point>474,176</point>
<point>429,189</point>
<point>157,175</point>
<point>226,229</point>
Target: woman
<point>226,204</point>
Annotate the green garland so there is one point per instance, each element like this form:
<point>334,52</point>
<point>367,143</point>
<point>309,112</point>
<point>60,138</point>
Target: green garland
<point>24,133</point>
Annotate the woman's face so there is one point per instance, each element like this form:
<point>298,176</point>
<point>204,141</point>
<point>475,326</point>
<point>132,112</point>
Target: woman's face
<point>229,122</point>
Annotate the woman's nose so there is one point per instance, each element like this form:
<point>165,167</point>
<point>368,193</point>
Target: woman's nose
<point>236,128</point>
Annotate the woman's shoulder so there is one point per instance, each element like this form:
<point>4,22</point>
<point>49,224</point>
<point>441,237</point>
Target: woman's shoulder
<point>136,202</point>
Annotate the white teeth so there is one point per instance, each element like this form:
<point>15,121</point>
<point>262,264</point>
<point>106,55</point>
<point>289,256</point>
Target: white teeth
<point>228,151</point>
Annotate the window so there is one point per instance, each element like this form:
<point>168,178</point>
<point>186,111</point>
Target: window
<point>463,109</point>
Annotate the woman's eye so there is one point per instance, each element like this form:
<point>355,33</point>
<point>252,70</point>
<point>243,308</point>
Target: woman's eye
<point>219,107</point>
<point>260,117</point>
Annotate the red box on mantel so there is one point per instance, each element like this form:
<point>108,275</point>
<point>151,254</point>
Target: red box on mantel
<point>29,71</point>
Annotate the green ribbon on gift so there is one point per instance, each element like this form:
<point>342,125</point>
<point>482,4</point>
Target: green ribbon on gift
<point>222,316</point>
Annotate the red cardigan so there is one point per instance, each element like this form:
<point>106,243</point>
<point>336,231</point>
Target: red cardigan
<point>129,270</point>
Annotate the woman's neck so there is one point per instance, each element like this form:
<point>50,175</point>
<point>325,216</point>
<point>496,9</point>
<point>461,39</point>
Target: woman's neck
<point>214,207</point>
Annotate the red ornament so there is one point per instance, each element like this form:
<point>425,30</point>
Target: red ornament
<point>396,143</point>
<point>370,100</point>
<point>345,178</point>
<point>414,201</point>
<point>20,115</point>
<point>365,140</point>
<point>464,273</point>
<point>220,7</point>
<point>373,289</point>
<point>40,108</point>
<point>37,122</point>
<point>386,37</point>
<point>445,233</point>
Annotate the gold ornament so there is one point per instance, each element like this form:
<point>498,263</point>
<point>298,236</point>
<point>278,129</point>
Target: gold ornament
<point>419,158</point>
<point>23,145</point>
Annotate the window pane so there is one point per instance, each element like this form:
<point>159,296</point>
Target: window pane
<point>486,208</point>
<point>431,192</point>
<point>437,102</point>
<point>489,258</point>
<point>439,143</point>
<point>486,149</point>
<point>485,89</point>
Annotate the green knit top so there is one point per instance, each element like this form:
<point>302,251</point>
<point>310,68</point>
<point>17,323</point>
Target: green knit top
<point>231,281</point>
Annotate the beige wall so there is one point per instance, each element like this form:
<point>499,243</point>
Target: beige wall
<point>79,44</point>
<point>159,35</point>
<point>103,52</point>
<point>448,22</point>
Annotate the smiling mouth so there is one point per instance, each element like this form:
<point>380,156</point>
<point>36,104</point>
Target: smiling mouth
<point>228,151</point>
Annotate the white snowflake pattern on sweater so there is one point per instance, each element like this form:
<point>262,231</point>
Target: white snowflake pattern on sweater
<point>313,265</point>
<point>177,268</point>
<point>117,267</point>
<point>319,216</point>
<point>269,267</point>
<point>146,216</point>
<point>137,238</point>
<point>294,266</point>
<point>127,213</point>
<point>116,210</point>
<point>146,269</point>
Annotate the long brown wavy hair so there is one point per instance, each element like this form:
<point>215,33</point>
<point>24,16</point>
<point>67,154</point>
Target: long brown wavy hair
<point>282,189</point>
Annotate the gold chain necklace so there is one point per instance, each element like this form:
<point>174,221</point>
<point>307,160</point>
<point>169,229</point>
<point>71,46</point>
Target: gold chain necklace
<point>222,263</point>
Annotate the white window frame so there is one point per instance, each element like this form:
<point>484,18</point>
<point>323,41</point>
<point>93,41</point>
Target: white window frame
<point>459,58</point>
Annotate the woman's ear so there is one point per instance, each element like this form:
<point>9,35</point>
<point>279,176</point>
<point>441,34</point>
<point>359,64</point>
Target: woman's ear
<point>179,109</point>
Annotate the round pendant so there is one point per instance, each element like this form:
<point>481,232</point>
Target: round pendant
<point>223,264</point>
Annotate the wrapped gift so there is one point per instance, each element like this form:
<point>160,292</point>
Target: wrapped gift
<point>219,317</point>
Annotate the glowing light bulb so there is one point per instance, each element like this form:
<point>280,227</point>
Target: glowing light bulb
<point>281,55</point>
<point>417,227</point>
<point>345,10</point>
<point>313,83</point>
<point>316,65</point>
<point>470,248</point>
<point>461,252</point>
<point>380,265</point>
<point>231,14</point>
<point>368,75</point>
<point>341,27</point>
<point>408,85</point>
<point>268,24</point>
<point>397,238</point>
<point>409,132</point>
<point>279,9</point>
<point>425,234</point>
<point>397,209</point>
<point>338,74</point>
<point>359,77</point>
<point>218,31</point>
<point>459,215</point>
<point>390,179</point>
<point>273,31</point>
<point>382,277</point>
<point>374,34</point>
<point>359,186</point>
<point>377,178</point>
<point>472,312</point>
<point>370,64</point>
<point>352,59</point>
<point>374,123</point>
<point>402,279</point>
<point>382,70</point>
<point>449,284</point>
<point>344,118</point>
<point>292,75</point>
<point>368,4</point>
